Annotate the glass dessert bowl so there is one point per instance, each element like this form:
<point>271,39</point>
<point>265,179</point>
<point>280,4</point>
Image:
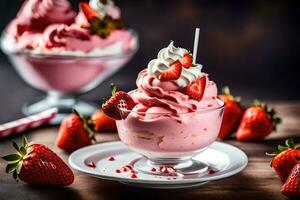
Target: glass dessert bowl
<point>173,114</point>
<point>64,77</point>
<point>170,140</point>
<point>66,54</point>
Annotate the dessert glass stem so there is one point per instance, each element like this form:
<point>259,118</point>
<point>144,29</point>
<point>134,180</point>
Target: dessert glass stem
<point>64,104</point>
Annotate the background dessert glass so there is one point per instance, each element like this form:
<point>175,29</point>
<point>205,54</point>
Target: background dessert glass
<point>170,141</point>
<point>64,78</point>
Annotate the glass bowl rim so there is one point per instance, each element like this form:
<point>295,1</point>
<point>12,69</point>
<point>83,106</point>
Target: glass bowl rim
<point>222,105</point>
<point>72,57</point>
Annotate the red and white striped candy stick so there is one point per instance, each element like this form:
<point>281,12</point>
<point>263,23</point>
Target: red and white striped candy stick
<point>27,123</point>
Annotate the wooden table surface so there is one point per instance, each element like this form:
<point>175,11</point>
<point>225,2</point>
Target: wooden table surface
<point>257,181</point>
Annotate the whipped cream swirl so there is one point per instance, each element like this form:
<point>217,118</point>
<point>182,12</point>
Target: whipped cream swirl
<point>166,57</point>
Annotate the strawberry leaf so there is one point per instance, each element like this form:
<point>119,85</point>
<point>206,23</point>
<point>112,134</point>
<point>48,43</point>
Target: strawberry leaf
<point>25,141</point>
<point>15,176</point>
<point>290,143</point>
<point>15,145</point>
<point>282,148</point>
<point>12,157</point>
<point>11,167</point>
<point>23,151</point>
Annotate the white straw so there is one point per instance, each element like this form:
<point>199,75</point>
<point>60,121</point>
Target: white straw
<point>196,41</point>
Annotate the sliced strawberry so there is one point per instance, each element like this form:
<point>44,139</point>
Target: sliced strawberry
<point>196,89</point>
<point>186,60</point>
<point>173,73</point>
<point>89,13</point>
<point>119,105</point>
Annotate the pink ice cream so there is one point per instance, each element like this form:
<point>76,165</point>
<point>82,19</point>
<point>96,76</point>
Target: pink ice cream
<point>49,27</point>
<point>165,121</point>
<point>36,15</point>
<point>74,38</point>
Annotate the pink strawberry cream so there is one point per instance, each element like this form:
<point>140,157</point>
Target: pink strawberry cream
<point>167,121</point>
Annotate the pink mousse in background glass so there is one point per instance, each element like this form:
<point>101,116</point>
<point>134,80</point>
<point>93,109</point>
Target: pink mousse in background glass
<point>167,125</point>
<point>52,51</point>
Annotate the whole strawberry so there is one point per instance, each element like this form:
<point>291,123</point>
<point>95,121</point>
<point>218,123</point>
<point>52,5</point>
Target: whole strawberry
<point>232,115</point>
<point>75,132</point>
<point>103,123</point>
<point>291,187</point>
<point>119,105</point>
<point>37,164</point>
<point>285,158</point>
<point>258,121</point>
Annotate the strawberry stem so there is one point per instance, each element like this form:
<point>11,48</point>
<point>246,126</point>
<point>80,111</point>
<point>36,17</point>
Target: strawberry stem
<point>289,144</point>
<point>87,124</point>
<point>113,89</point>
<point>226,90</point>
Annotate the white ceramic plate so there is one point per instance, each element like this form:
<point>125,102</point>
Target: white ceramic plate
<point>227,159</point>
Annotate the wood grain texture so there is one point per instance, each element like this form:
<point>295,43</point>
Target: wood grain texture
<point>257,181</point>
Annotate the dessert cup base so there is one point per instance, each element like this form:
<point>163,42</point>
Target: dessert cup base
<point>64,104</point>
<point>179,168</point>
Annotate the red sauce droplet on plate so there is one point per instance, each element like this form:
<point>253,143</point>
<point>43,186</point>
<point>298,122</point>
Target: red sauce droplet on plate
<point>153,170</point>
<point>211,171</point>
<point>91,164</point>
<point>133,176</point>
<point>111,158</point>
<point>118,171</point>
<point>125,169</point>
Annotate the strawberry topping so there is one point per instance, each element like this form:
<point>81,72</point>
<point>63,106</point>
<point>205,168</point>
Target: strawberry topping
<point>119,105</point>
<point>196,89</point>
<point>88,12</point>
<point>173,73</point>
<point>101,26</point>
<point>186,60</point>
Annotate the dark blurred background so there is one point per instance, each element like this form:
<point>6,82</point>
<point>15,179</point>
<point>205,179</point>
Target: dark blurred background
<point>251,46</point>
